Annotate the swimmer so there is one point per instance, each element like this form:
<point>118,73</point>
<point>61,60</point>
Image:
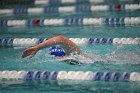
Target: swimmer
<point>69,47</point>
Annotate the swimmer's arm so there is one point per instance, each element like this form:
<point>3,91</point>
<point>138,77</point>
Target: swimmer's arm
<point>67,44</point>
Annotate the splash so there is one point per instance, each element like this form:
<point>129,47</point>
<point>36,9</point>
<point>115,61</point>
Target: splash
<point>113,58</point>
<point>84,58</point>
<point>123,58</point>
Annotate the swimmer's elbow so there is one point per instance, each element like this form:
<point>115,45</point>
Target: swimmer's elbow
<point>61,38</point>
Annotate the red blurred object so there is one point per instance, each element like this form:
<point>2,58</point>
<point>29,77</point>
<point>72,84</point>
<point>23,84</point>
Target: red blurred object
<point>36,22</point>
<point>118,7</point>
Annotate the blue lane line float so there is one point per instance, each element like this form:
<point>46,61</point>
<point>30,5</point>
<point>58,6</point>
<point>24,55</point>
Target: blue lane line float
<point>125,77</point>
<point>45,75</point>
<point>94,41</point>
<point>3,23</point>
<point>115,76</point>
<point>73,21</point>
<point>36,75</point>
<point>29,75</point>
<point>97,76</point>
<point>7,42</point>
<point>20,11</point>
<point>51,10</point>
<point>83,9</point>
<point>106,76</point>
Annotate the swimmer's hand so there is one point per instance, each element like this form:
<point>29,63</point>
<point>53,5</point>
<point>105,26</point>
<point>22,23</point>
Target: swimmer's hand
<point>29,52</point>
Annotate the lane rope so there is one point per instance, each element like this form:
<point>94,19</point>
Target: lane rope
<point>70,9</point>
<point>122,21</point>
<point>70,75</point>
<point>59,2</point>
<point>28,42</point>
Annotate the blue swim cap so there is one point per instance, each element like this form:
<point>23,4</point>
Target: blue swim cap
<point>57,51</point>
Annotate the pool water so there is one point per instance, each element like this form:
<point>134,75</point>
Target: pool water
<point>120,58</point>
